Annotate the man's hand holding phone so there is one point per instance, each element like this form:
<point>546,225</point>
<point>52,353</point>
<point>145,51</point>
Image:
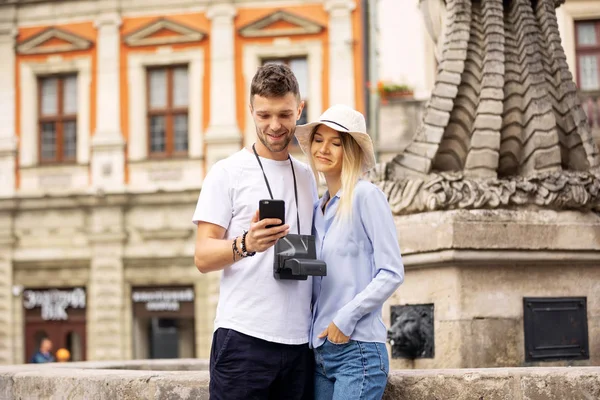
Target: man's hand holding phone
<point>259,238</point>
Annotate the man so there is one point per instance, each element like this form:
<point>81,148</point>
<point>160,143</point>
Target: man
<point>259,348</point>
<point>43,355</point>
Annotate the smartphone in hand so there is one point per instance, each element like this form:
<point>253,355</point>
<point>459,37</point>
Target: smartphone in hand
<point>272,209</point>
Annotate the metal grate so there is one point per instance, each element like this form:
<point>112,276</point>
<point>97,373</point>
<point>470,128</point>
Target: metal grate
<point>555,328</point>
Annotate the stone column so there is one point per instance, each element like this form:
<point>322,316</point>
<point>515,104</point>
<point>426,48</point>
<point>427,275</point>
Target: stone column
<point>205,305</point>
<point>223,136</point>
<point>341,52</point>
<point>108,156</point>
<point>106,330</point>
<point>8,138</point>
<point>6,282</point>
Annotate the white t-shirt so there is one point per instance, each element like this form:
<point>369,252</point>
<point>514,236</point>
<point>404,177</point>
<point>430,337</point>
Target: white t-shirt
<point>251,300</point>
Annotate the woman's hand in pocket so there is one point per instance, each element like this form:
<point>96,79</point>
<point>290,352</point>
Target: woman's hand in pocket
<point>334,335</point>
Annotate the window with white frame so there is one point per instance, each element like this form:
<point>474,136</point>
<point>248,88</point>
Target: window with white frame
<point>167,107</point>
<point>57,118</point>
<point>587,35</point>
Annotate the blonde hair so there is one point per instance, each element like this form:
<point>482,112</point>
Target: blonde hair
<point>352,160</point>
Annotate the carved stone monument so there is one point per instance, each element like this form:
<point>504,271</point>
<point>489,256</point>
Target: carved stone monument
<point>497,197</point>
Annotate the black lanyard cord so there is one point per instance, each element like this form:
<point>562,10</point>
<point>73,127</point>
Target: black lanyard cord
<point>269,186</point>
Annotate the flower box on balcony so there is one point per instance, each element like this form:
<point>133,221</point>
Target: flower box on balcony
<point>390,91</point>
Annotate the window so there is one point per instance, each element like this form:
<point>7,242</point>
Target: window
<point>299,66</point>
<point>168,111</point>
<point>587,35</point>
<point>57,118</point>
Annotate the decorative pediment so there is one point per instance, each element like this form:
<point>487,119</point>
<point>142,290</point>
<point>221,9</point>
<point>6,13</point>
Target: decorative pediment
<point>53,40</point>
<point>163,31</point>
<point>280,23</point>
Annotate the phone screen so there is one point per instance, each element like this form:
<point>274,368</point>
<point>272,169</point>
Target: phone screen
<point>272,209</point>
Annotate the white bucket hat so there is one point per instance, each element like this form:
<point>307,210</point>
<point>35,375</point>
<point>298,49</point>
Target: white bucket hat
<point>343,119</point>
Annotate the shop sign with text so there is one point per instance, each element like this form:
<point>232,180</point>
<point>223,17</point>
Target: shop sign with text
<point>54,302</point>
<point>163,299</point>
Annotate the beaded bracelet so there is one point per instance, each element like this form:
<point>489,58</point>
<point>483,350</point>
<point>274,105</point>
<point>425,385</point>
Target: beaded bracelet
<point>245,252</point>
<point>236,250</point>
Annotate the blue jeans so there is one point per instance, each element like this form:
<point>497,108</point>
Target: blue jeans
<point>355,370</point>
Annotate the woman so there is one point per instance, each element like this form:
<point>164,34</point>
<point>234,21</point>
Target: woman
<point>356,237</point>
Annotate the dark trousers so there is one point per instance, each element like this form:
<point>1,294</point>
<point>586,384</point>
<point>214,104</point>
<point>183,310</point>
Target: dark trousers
<point>243,367</point>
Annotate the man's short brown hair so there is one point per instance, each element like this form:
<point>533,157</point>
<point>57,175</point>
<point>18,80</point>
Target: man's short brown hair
<point>274,80</point>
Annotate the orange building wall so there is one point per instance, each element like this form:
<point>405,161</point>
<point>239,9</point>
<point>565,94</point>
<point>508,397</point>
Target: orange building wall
<point>85,30</point>
<point>314,12</point>
<point>246,16</point>
<point>129,25</point>
<point>195,21</point>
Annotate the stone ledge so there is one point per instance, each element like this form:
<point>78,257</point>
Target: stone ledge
<point>496,384</point>
<point>500,230</point>
<point>494,258</point>
<point>174,379</point>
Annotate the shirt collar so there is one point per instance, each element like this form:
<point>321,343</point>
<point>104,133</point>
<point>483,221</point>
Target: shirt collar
<point>326,195</point>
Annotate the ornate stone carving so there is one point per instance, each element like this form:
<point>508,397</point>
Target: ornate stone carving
<point>53,40</point>
<point>561,190</point>
<point>504,126</point>
<point>280,23</point>
<point>178,34</point>
<point>504,102</point>
<point>411,334</point>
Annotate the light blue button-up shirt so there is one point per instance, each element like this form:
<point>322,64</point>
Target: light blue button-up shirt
<point>364,265</point>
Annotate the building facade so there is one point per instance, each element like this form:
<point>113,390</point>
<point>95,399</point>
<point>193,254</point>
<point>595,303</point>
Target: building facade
<point>111,112</point>
<point>579,23</point>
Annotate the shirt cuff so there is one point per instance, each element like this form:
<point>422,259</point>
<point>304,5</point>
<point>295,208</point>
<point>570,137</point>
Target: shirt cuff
<point>345,322</point>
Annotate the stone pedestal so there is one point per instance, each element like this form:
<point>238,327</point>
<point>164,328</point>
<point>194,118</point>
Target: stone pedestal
<point>476,267</point>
